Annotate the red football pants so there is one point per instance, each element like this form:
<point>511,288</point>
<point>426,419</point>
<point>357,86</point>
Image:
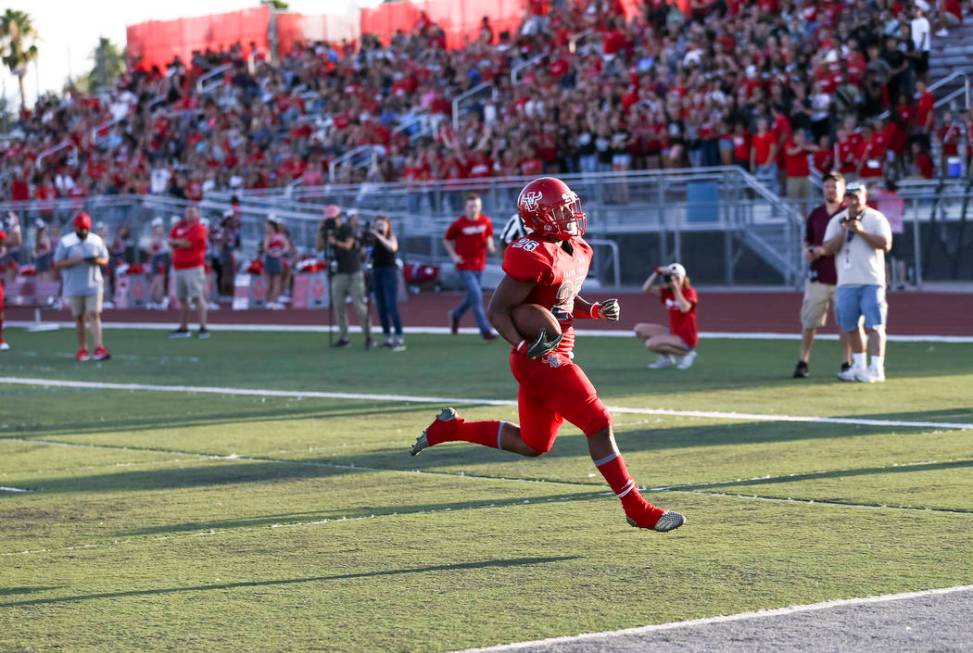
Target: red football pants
<point>553,389</point>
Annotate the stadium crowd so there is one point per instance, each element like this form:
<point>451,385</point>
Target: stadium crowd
<point>767,84</point>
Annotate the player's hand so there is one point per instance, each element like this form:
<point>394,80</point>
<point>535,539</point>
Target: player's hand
<point>542,345</point>
<point>609,310</point>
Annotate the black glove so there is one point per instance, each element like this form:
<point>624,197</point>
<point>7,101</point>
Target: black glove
<point>543,345</point>
<point>609,310</point>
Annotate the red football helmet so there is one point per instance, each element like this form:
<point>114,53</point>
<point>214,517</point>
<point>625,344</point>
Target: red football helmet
<point>551,209</point>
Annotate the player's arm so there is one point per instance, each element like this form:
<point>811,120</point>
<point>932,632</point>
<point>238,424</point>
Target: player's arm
<point>509,294</point>
<point>606,310</point>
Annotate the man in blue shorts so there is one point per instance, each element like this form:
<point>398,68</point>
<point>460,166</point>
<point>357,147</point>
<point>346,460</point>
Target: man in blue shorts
<point>858,238</point>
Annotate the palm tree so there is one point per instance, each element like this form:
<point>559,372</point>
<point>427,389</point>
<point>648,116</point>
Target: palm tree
<point>109,63</point>
<point>17,36</point>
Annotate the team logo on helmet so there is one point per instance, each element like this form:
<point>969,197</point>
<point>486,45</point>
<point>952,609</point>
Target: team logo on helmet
<point>531,200</point>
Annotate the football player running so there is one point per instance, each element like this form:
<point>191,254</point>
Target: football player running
<point>547,267</point>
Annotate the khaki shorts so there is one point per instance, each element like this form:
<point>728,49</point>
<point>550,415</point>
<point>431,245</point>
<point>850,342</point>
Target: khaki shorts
<point>190,283</point>
<point>85,304</point>
<point>814,309</point>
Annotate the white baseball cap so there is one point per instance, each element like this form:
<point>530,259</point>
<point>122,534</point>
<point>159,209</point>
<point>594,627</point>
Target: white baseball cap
<point>675,269</point>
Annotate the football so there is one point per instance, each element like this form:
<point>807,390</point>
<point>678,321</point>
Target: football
<point>531,318</point>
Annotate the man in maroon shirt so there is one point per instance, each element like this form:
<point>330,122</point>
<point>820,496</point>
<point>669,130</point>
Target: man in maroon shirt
<point>819,289</point>
<point>188,241</point>
<point>467,241</point>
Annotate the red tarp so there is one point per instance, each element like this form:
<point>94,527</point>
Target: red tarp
<point>156,42</point>
<point>460,19</point>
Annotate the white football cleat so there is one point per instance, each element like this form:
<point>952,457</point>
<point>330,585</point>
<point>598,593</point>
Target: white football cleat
<point>876,376</point>
<point>662,362</point>
<point>864,375</point>
<point>4,346</point>
<point>687,361</point>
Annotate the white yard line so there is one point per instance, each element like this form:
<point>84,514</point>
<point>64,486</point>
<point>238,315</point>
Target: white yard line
<point>3,488</point>
<point>431,330</point>
<point>692,623</point>
<point>465,401</point>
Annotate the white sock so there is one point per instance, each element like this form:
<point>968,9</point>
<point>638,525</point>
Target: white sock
<point>878,363</point>
<point>858,361</point>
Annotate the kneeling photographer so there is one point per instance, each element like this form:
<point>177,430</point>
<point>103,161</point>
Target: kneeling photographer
<point>679,340</point>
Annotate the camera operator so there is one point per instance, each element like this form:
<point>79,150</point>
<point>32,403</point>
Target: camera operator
<point>819,289</point>
<point>676,292</point>
<point>385,280</point>
<point>858,237</point>
<point>348,278</point>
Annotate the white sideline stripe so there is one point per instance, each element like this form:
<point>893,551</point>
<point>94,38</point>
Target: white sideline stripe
<point>4,488</point>
<point>431,330</point>
<point>759,614</point>
<point>313,394</point>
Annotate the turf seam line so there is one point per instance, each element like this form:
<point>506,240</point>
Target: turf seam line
<point>758,614</point>
<point>828,502</point>
<point>434,330</point>
<point>311,394</point>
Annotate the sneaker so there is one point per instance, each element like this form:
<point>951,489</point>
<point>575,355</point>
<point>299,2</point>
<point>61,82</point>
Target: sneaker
<point>101,354</point>
<point>877,376</point>
<point>490,336</point>
<point>398,345</point>
<point>687,361</point>
<point>179,333</point>
<point>862,375</point>
<point>845,366</point>
<point>662,362</point>
<point>669,521</point>
<point>203,333</point>
<point>342,343</point>
<point>389,342</point>
<point>82,356</point>
<point>4,346</point>
<point>453,323</point>
<point>801,370</point>
<point>422,442</point>
<point>849,374</point>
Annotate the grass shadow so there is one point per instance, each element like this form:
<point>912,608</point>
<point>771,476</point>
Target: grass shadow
<point>483,564</point>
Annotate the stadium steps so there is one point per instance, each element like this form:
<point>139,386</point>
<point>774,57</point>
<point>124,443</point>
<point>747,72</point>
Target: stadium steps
<point>950,54</point>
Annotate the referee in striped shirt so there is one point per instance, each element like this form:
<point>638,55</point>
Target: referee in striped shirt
<point>512,231</point>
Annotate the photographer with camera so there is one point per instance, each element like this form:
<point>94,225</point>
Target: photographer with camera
<point>347,277</point>
<point>858,238</point>
<point>679,340</point>
<point>385,280</point>
<point>79,257</point>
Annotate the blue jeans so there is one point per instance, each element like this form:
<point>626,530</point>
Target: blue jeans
<point>386,286</point>
<point>473,299</point>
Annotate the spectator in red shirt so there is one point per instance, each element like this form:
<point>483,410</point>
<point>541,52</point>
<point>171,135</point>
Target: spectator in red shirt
<point>188,240</point>
<point>923,162</point>
<point>468,240</point>
<point>950,135</point>
<point>763,154</point>
<point>679,340</point>
<point>797,168</point>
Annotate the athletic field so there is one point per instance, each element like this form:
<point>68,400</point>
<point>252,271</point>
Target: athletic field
<point>255,492</point>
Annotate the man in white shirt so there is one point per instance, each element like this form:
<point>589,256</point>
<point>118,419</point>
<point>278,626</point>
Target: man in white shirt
<point>921,34</point>
<point>859,237</point>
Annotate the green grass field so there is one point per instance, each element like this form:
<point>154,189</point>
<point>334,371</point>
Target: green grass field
<point>190,521</point>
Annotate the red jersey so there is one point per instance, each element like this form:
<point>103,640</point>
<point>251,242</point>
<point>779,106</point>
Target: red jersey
<point>761,146</point>
<point>795,165</point>
<point>558,275</point>
<point>470,240</point>
<point>682,324</point>
<point>193,256</point>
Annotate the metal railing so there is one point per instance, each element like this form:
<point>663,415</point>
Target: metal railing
<point>69,145</point>
<point>463,97</point>
<point>206,82</point>
<point>363,155</point>
<point>515,70</point>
